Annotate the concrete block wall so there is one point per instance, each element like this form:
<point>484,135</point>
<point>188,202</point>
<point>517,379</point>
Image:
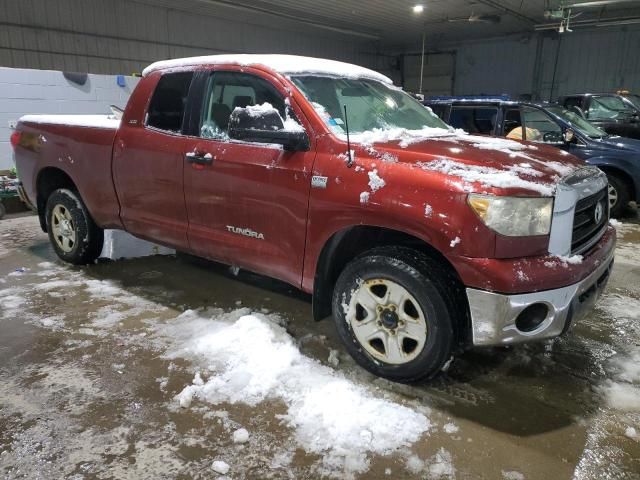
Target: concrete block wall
<point>27,91</point>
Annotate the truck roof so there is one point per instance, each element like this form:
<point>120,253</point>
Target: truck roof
<point>284,64</point>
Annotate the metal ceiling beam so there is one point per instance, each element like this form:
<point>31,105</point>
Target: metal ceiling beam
<point>318,23</point>
<point>597,3</point>
<point>514,13</point>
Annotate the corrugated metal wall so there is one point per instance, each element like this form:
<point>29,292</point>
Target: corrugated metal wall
<point>123,36</point>
<point>602,59</point>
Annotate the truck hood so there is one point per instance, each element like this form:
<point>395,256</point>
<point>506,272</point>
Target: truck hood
<point>482,163</point>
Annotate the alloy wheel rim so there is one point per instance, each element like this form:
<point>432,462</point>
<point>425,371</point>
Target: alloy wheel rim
<point>63,228</point>
<point>387,321</point>
<point>613,196</point>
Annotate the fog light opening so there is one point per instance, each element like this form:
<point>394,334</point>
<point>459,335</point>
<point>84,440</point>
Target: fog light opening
<point>532,317</point>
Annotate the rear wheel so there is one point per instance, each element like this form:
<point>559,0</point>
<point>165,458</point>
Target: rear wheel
<point>72,232</point>
<point>619,195</point>
<point>395,313</point>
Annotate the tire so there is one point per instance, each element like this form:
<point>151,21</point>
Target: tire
<point>72,232</point>
<point>620,188</point>
<point>432,302</point>
<point>3,211</point>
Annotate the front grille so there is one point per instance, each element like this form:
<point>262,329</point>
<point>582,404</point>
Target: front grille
<point>586,229</point>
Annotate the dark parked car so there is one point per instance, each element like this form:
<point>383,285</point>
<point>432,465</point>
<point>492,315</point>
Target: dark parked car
<point>552,124</point>
<point>616,114</point>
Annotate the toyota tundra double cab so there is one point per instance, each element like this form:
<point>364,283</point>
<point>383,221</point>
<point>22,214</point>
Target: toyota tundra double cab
<point>420,240</point>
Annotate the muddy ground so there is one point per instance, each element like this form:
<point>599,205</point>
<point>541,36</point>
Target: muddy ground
<point>95,363</point>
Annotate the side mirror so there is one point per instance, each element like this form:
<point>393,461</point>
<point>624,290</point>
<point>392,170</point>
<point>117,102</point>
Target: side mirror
<point>569,136</point>
<point>263,124</point>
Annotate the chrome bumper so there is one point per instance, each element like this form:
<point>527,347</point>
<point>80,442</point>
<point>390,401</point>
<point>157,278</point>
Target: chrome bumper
<point>493,315</point>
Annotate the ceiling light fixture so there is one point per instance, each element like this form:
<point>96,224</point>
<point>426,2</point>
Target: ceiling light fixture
<point>418,9</point>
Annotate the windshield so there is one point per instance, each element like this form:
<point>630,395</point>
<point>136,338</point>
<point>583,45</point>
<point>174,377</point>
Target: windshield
<point>635,99</point>
<point>577,122</point>
<point>608,108</point>
<point>370,105</point>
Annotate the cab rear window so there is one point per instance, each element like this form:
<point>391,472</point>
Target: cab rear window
<point>168,103</point>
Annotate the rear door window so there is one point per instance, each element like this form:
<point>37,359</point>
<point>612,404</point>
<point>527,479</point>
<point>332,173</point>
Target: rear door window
<point>480,120</point>
<point>169,100</point>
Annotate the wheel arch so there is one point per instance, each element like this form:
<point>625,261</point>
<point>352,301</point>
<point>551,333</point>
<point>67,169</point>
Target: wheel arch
<point>607,168</point>
<point>346,244</point>
<point>48,180</point>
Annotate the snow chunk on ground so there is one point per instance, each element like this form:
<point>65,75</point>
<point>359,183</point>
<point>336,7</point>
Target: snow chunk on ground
<point>451,428</point>
<point>632,433</point>
<point>441,466</point>
<point>512,475</point>
<point>220,467</point>
<point>250,358</point>
<point>375,181</point>
<point>241,436</point>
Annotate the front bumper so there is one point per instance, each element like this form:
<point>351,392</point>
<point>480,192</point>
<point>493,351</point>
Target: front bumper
<point>494,315</point>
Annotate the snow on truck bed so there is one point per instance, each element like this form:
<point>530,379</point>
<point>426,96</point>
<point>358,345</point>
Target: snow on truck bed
<point>285,64</point>
<point>87,121</point>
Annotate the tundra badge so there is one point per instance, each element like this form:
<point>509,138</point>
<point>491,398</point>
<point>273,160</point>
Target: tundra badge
<point>247,232</point>
<point>318,182</point>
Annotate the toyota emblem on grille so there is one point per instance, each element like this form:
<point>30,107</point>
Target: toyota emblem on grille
<point>599,212</point>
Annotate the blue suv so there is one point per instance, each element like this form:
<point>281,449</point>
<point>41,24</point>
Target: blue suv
<point>552,124</point>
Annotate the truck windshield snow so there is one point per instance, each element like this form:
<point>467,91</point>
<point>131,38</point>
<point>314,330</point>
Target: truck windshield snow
<point>370,105</point>
<point>579,123</point>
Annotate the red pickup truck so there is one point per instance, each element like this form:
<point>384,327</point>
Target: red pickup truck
<point>421,240</point>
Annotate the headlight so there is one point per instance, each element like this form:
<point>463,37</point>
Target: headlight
<point>514,216</point>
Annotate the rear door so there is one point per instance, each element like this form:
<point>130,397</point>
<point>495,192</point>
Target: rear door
<point>148,164</point>
<point>247,202</point>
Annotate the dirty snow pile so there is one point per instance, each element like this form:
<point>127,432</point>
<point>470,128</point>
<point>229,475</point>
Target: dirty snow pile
<point>247,358</point>
<point>488,176</point>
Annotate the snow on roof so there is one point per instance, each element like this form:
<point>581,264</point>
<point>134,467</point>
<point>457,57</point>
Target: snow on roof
<point>88,121</point>
<point>284,64</point>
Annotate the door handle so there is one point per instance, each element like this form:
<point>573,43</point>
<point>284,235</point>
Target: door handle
<point>199,158</point>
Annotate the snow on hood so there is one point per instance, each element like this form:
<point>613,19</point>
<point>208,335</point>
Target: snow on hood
<point>285,64</point>
<point>88,121</point>
<point>478,162</point>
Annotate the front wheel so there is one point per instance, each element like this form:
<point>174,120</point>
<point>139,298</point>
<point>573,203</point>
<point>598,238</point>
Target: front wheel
<point>72,232</point>
<point>395,313</point>
<point>619,195</point>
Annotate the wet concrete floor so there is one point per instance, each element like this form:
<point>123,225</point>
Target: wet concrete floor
<point>87,390</point>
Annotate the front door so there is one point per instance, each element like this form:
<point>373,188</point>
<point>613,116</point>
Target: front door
<point>247,202</point>
<point>148,164</point>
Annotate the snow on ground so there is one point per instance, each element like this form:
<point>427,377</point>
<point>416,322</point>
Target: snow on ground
<point>248,358</point>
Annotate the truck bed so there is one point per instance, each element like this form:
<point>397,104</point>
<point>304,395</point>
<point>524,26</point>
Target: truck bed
<point>78,146</point>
